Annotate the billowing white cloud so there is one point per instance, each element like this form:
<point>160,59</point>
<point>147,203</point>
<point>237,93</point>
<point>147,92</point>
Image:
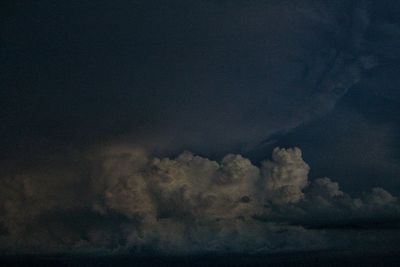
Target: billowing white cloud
<point>286,175</point>
<point>135,202</point>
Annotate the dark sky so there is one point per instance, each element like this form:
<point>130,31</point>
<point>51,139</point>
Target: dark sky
<point>210,77</point>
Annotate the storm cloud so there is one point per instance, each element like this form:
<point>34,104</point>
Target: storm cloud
<point>100,99</point>
<point>134,202</point>
<point>158,67</point>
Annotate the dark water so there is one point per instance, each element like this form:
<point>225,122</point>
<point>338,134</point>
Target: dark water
<point>324,258</point>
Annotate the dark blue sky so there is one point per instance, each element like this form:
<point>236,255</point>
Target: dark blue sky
<point>208,76</point>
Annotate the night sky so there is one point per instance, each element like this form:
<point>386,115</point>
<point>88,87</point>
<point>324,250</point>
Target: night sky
<point>188,127</point>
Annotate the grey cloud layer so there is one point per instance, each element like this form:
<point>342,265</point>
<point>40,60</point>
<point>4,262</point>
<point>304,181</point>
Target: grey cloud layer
<point>136,203</point>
